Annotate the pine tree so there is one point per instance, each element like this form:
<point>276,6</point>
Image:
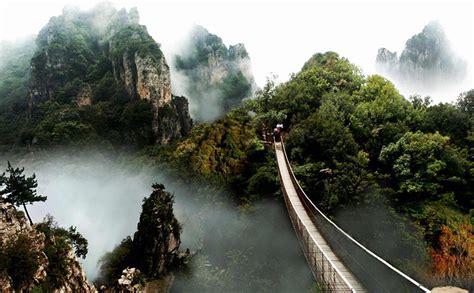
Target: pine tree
<point>19,189</point>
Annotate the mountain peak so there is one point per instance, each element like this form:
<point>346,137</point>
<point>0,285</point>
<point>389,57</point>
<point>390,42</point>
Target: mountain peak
<point>426,60</point>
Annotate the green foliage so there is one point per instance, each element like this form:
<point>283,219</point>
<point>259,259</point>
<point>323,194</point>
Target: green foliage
<point>39,93</point>
<point>19,260</point>
<point>465,102</point>
<point>59,242</point>
<point>235,87</point>
<point>322,74</point>
<point>449,120</point>
<point>14,88</point>
<point>19,189</point>
<point>381,115</point>
<point>266,117</point>
<point>152,253</point>
<point>134,39</point>
<point>112,263</point>
<point>356,142</point>
<point>425,167</point>
<point>150,250</point>
<point>219,150</point>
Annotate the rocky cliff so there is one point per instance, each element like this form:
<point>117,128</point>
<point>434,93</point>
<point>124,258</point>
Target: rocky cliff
<point>157,239</point>
<point>23,262</point>
<point>104,55</point>
<point>214,77</point>
<point>427,60</point>
<point>147,260</point>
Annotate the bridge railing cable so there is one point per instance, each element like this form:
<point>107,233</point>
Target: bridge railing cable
<point>372,271</point>
<point>330,279</point>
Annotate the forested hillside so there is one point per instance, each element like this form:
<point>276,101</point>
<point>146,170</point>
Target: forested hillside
<point>395,172</point>
<point>383,166</point>
<point>96,77</point>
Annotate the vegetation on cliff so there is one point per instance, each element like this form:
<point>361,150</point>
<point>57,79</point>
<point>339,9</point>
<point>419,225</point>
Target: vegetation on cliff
<point>365,153</point>
<point>90,82</point>
<point>154,247</point>
<point>38,257</point>
<point>216,78</point>
<point>397,174</point>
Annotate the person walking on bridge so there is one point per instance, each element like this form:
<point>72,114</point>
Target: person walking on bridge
<point>277,132</point>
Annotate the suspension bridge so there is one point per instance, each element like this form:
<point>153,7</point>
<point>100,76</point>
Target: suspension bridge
<point>337,261</point>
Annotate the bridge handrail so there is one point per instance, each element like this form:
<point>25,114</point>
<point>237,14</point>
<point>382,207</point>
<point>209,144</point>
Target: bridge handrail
<point>307,200</point>
<point>321,249</point>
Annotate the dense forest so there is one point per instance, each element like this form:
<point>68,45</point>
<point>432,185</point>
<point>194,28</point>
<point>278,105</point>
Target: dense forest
<point>381,165</point>
<point>364,154</point>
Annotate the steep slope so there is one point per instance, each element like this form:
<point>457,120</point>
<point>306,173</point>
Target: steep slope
<point>216,78</point>
<point>154,251</point>
<point>24,264</point>
<point>98,75</point>
<point>426,60</point>
<point>14,77</point>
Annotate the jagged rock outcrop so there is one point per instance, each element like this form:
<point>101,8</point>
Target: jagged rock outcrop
<point>104,55</point>
<point>76,280</point>
<point>214,77</point>
<point>150,258</point>
<point>13,225</point>
<point>157,240</point>
<point>426,61</point>
<point>131,280</point>
<point>387,58</point>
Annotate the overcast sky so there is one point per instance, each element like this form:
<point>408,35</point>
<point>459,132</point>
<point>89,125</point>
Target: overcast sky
<point>280,36</point>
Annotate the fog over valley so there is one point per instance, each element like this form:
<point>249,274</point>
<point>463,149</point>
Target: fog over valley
<point>218,146</point>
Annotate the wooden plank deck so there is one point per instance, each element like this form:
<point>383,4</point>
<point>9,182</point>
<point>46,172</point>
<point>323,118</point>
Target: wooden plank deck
<point>302,214</point>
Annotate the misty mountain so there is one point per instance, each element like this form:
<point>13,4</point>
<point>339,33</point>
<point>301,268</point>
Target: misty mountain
<point>215,78</point>
<point>98,76</point>
<point>427,60</point>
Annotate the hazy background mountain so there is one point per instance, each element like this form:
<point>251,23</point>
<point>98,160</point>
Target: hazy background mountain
<point>279,37</point>
<point>427,64</point>
<point>214,77</point>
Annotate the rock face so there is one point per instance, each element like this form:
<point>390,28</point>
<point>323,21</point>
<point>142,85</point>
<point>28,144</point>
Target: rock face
<point>13,224</point>
<point>387,58</point>
<point>104,55</point>
<point>157,239</point>
<point>214,77</point>
<point>427,60</point>
<point>130,281</point>
<point>76,280</point>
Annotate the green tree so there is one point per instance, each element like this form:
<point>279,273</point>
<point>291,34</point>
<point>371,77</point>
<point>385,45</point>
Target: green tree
<point>382,115</point>
<point>19,189</point>
<point>19,260</point>
<point>112,263</point>
<point>51,229</point>
<point>266,117</point>
<point>449,120</point>
<point>425,167</point>
<point>58,244</point>
<point>322,74</point>
<point>465,102</point>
